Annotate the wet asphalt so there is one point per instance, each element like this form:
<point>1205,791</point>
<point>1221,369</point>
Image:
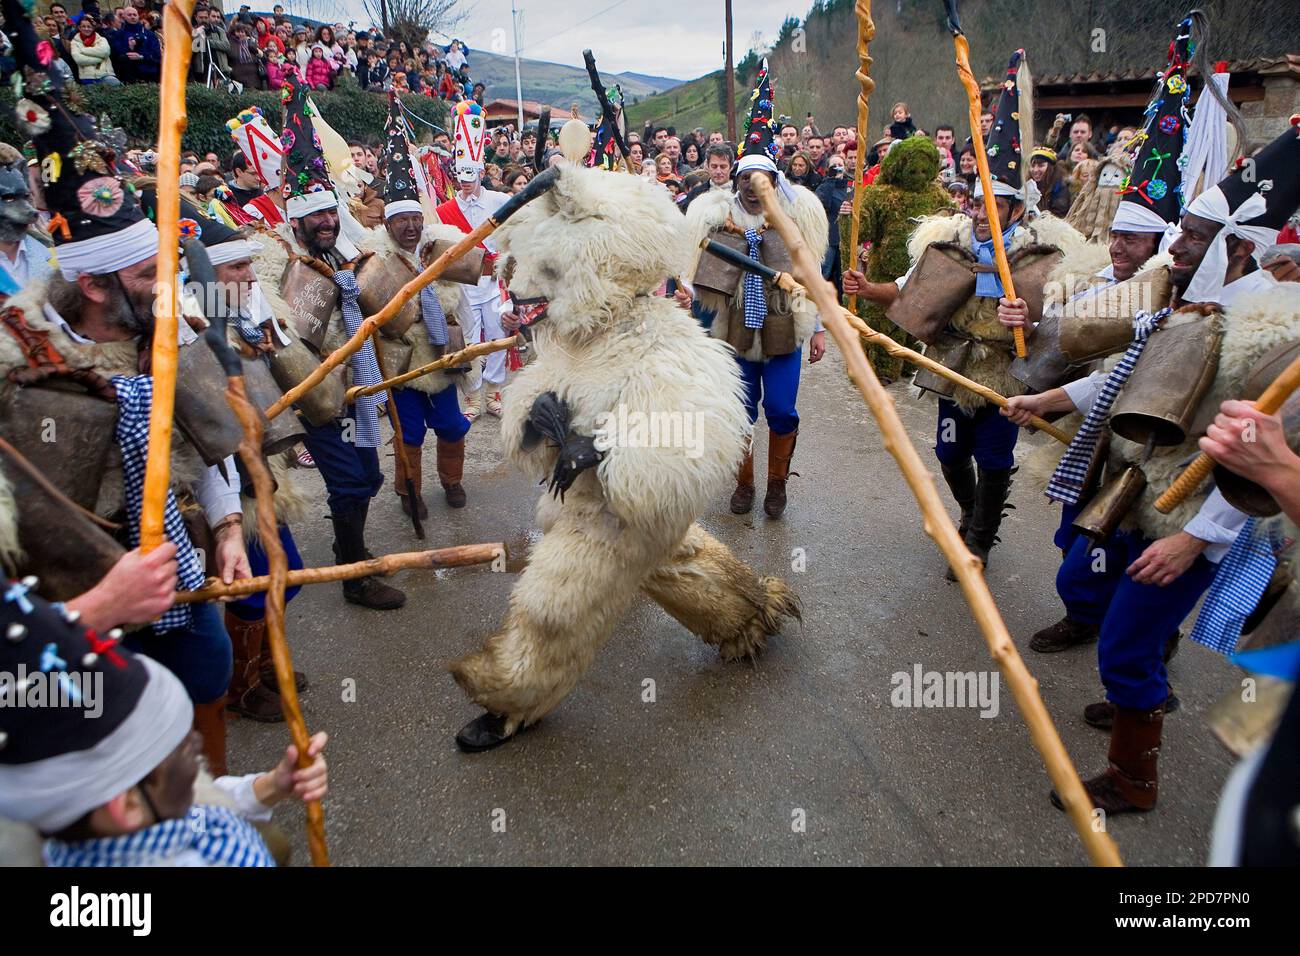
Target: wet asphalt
<point>798,758</point>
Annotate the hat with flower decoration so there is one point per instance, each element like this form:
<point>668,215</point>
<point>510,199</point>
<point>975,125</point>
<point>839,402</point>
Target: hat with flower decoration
<point>1152,196</point>
<point>95,220</point>
<point>401,192</point>
<point>307,186</point>
<point>1003,145</point>
<point>760,128</point>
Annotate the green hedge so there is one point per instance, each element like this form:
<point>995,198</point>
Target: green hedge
<point>353,113</point>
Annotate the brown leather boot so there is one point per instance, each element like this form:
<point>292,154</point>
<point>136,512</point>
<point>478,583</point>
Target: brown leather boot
<point>780,450</point>
<point>451,470</point>
<point>266,671</point>
<point>210,722</point>
<point>415,473</point>
<point>248,696</point>
<point>1130,783</point>
<point>742,499</point>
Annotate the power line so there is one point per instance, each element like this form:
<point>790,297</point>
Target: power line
<point>598,13</point>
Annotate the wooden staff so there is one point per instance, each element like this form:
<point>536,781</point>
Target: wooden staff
<point>866,33</point>
<point>536,186</point>
<point>788,282</point>
<point>399,447</point>
<point>1274,397</point>
<point>982,161</point>
<point>461,556</point>
<point>250,452</point>
<point>968,568</point>
<point>467,354</point>
<point>162,360</point>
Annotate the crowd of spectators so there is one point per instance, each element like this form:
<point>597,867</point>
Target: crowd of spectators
<point>124,45</point>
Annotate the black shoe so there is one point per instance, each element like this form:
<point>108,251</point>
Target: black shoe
<point>371,593</point>
<point>484,732</point>
<point>455,495</point>
<point>1063,635</point>
<point>1102,714</point>
<point>350,548</point>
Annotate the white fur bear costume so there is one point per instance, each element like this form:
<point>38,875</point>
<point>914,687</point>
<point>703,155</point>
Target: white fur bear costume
<point>596,246</point>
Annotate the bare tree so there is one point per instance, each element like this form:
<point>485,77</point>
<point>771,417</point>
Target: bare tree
<point>412,20</point>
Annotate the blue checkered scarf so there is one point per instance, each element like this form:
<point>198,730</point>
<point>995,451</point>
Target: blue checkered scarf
<point>755,296</point>
<point>365,366</point>
<point>435,320</point>
<point>1067,481</point>
<point>134,400</point>
<point>1238,585</point>
<point>220,836</point>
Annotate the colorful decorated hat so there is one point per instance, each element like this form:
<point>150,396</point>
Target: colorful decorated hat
<point>1002,145</point>
<point>470,138</point>
<point>260,145</point>
<point>1253,203</point>
<point>95,220</point>
<point>83,720</point>
<point>1152,197</point>
<point>401,193</point>
<point>761,128</point>
<point>307,186</point>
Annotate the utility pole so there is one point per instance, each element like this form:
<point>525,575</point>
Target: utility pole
<point>383,15</point>
<point>519,86</point>
<point>731,82</point>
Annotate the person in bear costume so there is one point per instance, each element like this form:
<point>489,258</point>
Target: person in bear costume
<point>619,514</point>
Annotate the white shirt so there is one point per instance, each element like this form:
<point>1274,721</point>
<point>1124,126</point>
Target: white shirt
<point>31,262</point>
<point>476,210</point>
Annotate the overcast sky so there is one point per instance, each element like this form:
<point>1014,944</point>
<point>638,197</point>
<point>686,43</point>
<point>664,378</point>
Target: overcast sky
<point>677,38</point>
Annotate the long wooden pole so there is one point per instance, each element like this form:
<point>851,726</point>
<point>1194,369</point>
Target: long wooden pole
<point>938,525</point>
<point>162,361</point>
<point>731,81</point>
<point>536,186</point>
<point>1274,397</point>
<point>972,86</point>
<point>866,33</point>
<point>467,354</point>
<point>460,556</point>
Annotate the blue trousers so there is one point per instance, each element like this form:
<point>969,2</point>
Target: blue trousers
<point>1136,619</point>
<point>419,411</point>
<point>253,607</point>
<point>200,657</point>
<point>351,474</point>
<point>987,435</point>
<point>776,382</point>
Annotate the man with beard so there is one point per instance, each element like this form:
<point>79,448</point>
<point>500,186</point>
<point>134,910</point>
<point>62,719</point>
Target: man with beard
<point>96,315</point>
<point>345,449</point>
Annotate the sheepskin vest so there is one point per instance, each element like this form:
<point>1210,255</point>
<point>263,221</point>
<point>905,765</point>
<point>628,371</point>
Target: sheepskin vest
<point>413,349</point>
<point>976,344</point>
<point>788,323</point>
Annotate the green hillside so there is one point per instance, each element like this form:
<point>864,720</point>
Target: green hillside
<point>697,103</point>
<point>554,83</point>
<point>813,68</point>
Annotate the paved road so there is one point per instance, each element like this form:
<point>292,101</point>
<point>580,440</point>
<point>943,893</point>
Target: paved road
<point>799,758</point>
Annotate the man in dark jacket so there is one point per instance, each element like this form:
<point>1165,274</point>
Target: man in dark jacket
<point>137,54</point>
